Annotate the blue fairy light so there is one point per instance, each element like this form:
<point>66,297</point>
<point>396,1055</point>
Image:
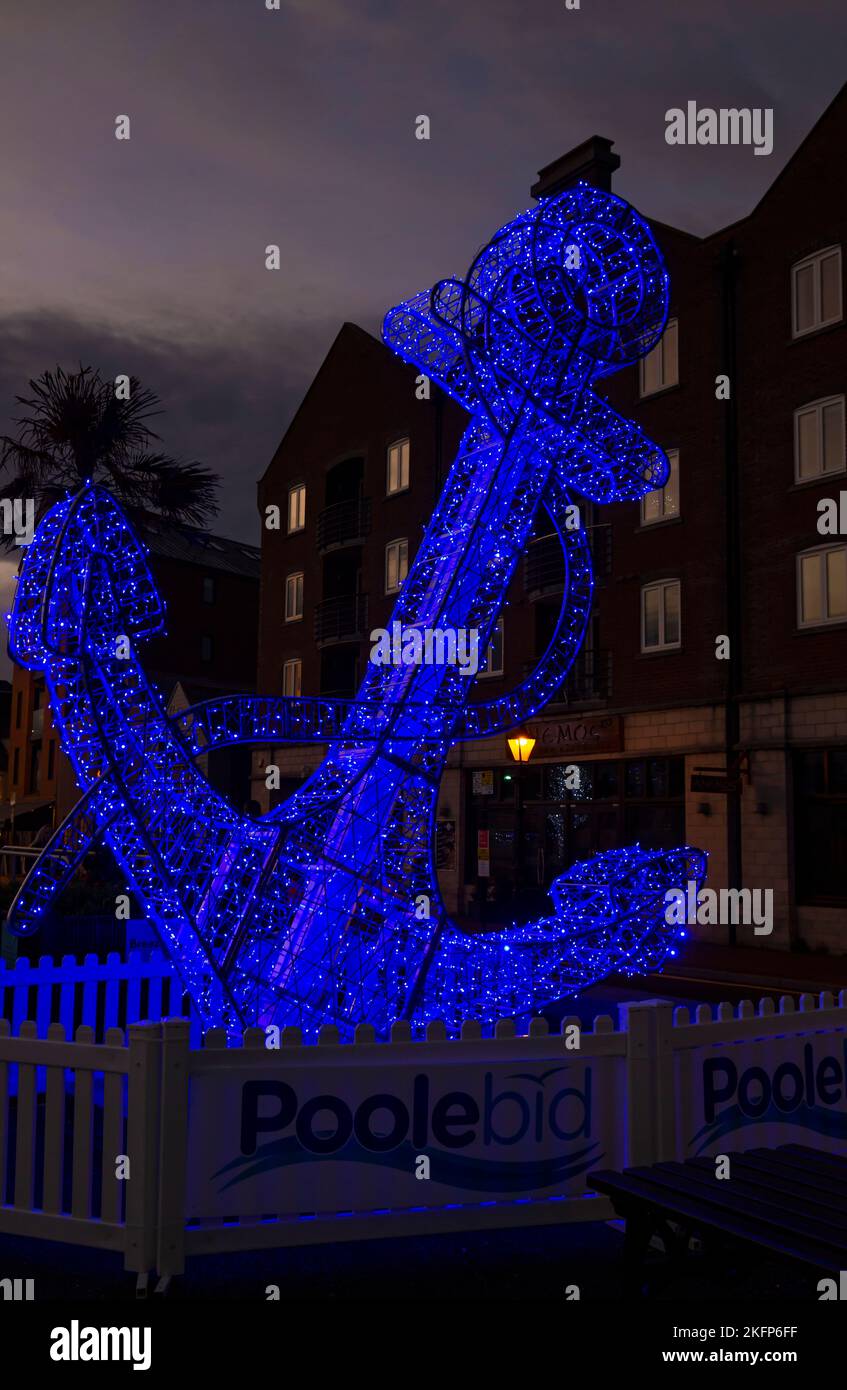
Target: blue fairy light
<point>312,914</point>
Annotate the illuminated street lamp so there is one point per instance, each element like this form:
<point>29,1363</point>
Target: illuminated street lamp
<point>521,744</point>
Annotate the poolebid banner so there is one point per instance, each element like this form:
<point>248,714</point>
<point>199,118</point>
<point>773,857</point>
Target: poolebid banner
<point>329,1138</point>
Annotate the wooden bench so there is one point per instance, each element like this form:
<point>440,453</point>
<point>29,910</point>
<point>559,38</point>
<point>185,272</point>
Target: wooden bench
<point>791,1201</point>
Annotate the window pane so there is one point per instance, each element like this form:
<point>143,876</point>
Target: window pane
<point>838,770</point>
<point>836,581</point>
<point>811,771</point>
<point>804,302</point>
<point>811,593</point>
<point>670,496</point>
<point>672,613</point>
<point>650,599</point>
<point>391,567</point>
<point>402,561</point>
<point>807,444</point>
<point>670,356</point>
<point>833,437</point>
<point>657,777</point>
<point>651,506</point>
<point>651,371</point>
<point>291,678</point>
<point>635,779</point>
<point>831,287</point>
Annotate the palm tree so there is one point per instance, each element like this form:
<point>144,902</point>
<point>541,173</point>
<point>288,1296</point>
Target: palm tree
<point>77,430</point>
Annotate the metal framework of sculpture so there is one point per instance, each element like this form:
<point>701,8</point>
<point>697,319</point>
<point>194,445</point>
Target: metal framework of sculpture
<point>311,914</point>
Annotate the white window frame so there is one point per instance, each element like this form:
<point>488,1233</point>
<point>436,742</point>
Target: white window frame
<point>816,260</point>
<point>295,574</point>
<point>486,670</point>
<point>399,541</point>
<point>294,665</point>
<point>817,408</point>
<point>660,348</point>
<point>402,486</point>
<point>664,513</point>
<point>822,551</point>
<point>298,491</point>
<point>661,645</point>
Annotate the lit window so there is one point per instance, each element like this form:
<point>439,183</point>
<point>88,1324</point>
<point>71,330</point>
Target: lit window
<point>208,589</point>
<point>294,597</point>
<point>396,565</point>
<point>664,501</point>
<point>822,586</point>
<point>292,672</point>
<point>296,508</point>
<point>816,291</point>
<point>660,368</point>
<point>493,662</point>
<point>819,439</point>
<point>205,647</point>
<point>660,607</point>
<point>397,473</point>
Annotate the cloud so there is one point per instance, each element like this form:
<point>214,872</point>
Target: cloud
<point>225,401</point>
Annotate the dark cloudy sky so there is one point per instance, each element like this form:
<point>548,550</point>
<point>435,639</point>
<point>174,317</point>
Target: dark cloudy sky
<point>252,126</point>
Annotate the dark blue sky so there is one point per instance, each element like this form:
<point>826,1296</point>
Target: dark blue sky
<point>252,126</point>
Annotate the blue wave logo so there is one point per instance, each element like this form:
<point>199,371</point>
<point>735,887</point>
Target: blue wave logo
<point>832,1123</point>
<point>456,1170</point>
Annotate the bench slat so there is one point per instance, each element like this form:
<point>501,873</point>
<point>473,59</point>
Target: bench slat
<point>631,1189</point>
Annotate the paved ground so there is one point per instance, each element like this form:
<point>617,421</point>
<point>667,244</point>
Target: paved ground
<point>509,1265</point>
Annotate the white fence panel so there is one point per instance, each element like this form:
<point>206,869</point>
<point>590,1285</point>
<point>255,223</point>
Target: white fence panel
<point>745,1080</point>
<point>93,993</point>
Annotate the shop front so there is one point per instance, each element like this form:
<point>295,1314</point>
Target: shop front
<point>528,823</point>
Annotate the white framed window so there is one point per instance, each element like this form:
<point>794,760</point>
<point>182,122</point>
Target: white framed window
<point>397,467</point>
<point>660,368</point>
<point>816,291</point>
<point>292,675</point>
<point>663,502</point>
<point>296,508</point>
<point>819,439</point>
<point>396,564</point>
<point>494,652</point>
<point>660,616</point>
<point>294,597</point>
<point>822,586</point>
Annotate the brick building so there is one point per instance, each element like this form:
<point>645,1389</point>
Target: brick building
<point>211,590</point>
<point>710,701</point>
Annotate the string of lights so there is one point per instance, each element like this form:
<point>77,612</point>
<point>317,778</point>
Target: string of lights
<point>327,909</point>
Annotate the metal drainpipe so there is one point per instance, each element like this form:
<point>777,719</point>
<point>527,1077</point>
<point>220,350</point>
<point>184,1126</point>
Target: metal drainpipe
<point>728,262</point>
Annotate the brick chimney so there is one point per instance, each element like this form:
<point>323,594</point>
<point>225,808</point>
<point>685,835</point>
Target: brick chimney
<point>591,161</point>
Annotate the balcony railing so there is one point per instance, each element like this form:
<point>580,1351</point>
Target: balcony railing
<point>341,619</point>
<point>345,523</point>
<point>544,569</point>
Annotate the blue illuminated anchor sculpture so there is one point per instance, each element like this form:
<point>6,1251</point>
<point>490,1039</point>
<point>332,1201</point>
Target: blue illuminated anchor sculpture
<point>327,909</point>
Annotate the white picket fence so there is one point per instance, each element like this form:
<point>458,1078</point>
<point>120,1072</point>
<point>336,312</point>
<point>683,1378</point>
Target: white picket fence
<point>633,1095</point>
<point>94,993</point>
